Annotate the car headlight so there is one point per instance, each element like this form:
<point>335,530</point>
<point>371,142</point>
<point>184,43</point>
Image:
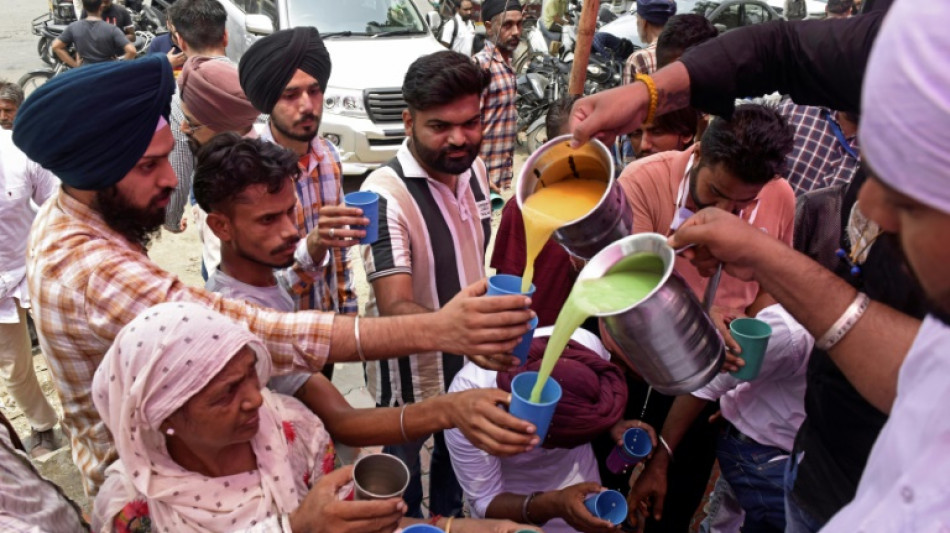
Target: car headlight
<point>346,102</point>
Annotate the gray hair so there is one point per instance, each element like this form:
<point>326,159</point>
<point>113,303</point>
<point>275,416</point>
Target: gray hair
<point>12,92</point>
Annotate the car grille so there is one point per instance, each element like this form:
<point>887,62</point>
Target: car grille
<point>384,105</point>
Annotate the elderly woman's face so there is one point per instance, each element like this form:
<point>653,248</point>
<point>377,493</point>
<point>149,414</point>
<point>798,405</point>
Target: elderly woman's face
<point>225,412</point>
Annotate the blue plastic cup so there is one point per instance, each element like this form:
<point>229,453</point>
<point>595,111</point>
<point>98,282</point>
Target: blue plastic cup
<point>368,201</point>
<point>609,505</point>
<point>539,413</point>
<point>521,351</point>
<point>752,335</point>
<point>505,284</point>
<point>636,446</point>
<point>421,528</point>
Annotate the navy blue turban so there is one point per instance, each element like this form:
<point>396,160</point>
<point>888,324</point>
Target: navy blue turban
<point>91,125</point>
<point>270,63</point>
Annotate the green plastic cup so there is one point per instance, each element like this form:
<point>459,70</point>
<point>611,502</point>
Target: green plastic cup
<point>752,335</point>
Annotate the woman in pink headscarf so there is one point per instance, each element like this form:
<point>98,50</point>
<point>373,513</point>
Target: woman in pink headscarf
<point>203,447</point>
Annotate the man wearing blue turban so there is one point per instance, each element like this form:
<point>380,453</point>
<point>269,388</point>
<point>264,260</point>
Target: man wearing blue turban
<point>102,129</point>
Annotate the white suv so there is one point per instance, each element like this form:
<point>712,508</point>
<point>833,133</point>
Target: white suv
<point>371,43</point>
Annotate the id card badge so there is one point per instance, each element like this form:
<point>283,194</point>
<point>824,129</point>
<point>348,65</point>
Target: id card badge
<point>484,208</point>
<point>682,214</point>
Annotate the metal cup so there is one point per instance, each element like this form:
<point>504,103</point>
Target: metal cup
<point>379,476</point>
<point>609,220</point>
<point>666,336</point>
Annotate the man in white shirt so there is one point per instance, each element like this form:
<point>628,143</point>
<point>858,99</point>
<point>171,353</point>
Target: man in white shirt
<point>458,33</point>
<point>547,485</point>
<point>21,180</point>
<point>762,418</point>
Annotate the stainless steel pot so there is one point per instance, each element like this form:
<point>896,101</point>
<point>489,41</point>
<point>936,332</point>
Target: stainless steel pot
<point>666,336</point>
<point>609,220</point>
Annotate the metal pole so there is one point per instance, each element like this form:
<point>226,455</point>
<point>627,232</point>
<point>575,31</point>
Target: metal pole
<point>585,37</point>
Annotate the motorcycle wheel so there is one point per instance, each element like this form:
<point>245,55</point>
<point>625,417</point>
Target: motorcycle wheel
<point>535,137</point>
<point>43,50</point>
<point>522,63</point>
<point>33,80</point>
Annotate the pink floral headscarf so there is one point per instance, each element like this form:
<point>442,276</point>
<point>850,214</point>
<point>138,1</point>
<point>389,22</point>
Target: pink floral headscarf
<point>159,361</point>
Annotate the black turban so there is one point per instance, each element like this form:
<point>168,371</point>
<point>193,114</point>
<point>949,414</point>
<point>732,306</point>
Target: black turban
<point>270,63</point>
<point>91,125</point>
<point>490,8</point>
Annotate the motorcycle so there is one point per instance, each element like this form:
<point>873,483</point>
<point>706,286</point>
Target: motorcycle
<point>544,82</point>
<point>35,78</point>
<point>50,25</point>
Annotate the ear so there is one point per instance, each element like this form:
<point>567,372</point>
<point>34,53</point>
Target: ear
<point>407,122</point>
<point>224,42</point>
<point>220,225</point>
<point>686,140</point>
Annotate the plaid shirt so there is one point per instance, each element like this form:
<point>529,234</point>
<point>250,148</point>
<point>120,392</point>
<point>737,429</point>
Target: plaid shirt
<point>321,183</point>
<point>87,281</point>
<point>642,61</point>
<point>499,116</point>
<point>818,158</point>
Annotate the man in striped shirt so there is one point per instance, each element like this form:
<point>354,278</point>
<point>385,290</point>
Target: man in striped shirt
<point>434,226</point>
<point>503,22</point>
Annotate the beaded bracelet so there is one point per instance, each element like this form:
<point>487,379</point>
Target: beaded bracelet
<point>654,97</point>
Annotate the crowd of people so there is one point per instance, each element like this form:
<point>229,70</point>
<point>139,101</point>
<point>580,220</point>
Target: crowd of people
<point>212,408</point>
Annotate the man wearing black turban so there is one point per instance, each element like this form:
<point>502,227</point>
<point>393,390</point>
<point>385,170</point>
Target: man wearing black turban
<point>89,274</point>
<point>285,75</point>
<point>503,22</point>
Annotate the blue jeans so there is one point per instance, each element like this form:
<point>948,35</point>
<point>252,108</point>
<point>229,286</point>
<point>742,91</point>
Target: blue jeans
<point>797,520</point>
<point>445,494</point>
<point>756,473</point>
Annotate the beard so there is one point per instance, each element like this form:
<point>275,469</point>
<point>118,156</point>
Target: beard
<point>139,226</point>
<point>286,131</point>
<point>440,161</point>
<point>193,145</point>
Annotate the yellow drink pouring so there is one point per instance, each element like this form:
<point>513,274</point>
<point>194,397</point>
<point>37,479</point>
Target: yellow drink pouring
<point>625,284</point>
<point>551,207</point>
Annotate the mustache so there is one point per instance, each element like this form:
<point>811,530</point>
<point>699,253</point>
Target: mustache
<point>289,244</point>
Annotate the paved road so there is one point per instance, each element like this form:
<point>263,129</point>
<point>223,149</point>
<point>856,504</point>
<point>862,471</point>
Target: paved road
<point>17,42</point>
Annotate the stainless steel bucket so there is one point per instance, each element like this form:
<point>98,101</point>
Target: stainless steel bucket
<point>666,336</point>
<point>609,220</point>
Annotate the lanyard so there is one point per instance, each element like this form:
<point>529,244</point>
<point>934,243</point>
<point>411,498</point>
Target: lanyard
<point>836,129</point>
<point>682,212</point>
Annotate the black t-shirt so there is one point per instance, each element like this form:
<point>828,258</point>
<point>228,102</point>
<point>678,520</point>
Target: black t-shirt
<point>840,426</point>
<point>115,15</point>
<point>95,40</point>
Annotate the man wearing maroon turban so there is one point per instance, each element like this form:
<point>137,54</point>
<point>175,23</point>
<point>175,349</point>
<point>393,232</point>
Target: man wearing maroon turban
<point>212,102</point>
<point>547,485</point>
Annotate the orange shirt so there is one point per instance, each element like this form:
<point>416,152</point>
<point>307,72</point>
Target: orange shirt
<point>652,185</point>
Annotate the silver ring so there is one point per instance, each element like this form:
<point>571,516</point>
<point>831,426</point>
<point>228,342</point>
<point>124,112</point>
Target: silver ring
<point>331,232</point>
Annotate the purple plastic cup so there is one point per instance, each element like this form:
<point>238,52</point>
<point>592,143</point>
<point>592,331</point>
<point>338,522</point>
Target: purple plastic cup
<point>636,446</point>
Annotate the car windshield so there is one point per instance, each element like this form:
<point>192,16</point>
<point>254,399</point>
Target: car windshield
<point>356,17</point>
